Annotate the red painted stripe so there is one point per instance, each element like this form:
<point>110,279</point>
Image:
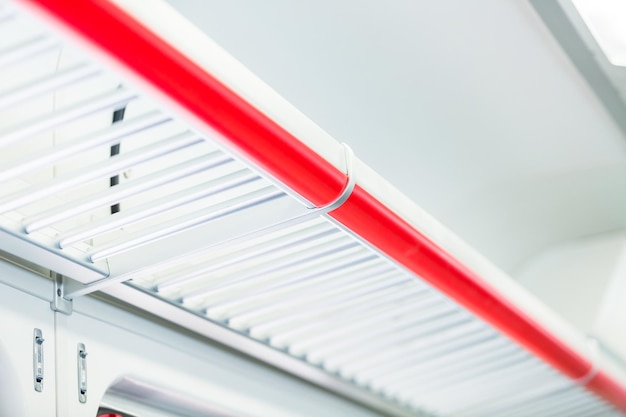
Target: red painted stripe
<point>605,386</point>
<point>291,162</point>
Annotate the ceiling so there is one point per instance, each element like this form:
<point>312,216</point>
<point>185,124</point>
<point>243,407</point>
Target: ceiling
<point>472,109</point>
<point>503,119</point>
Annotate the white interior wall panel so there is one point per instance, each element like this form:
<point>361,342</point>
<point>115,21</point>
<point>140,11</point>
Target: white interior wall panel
<point>20,314</point>
<point>593,270</point>
<point>201,229</point>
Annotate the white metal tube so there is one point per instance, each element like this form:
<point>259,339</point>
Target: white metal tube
<point>324,285</point>
<point>576,406</point>
<point>186,222</point>
<point>177,261</point>
<point>258,317</point>
<point>152,208</point>
<point>318,345</point>
<point>349,367</point>
<point>541,406</point>
<point>472,345</point>
<point>586,409</point>
<point>310,216</point>
<point>73,263</point>
<point>280,228</point>
<point>416,327</point>
<point>300,295</point>
<point>465,394</point>
<point>267,312</point>
<point>462,361</point>
<point>446,382</point>
<point>311,278</point>
<point>526,380</point>
<point>32,47</point>
<point>115,194</point>
<point>278,261</point>
<point>406,349</point>
<point>280,331</point>
<point>257,252</point>
<point>117,98</point>
<point>498,378</point>
<point>296,273</point>
<point>50,83</point>
<point>101,170</point>
<point>357,297</point>
<point>392,347</point>
<point>520,395</point>
<point>432,345</point>
<point>382,338</point>
<point>108,135</point>
<point>280,264</point>
<point>318,348</point>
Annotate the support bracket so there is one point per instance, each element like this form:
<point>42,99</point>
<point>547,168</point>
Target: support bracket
<point>38,359</point>
<point>59,303</point>
<point>82,373</point>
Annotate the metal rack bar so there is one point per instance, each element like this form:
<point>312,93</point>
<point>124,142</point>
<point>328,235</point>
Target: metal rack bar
<point>45,85</point>
<point>192,220</point>
<point>93,172</point>
<point>110,134</point>
<point>334,252</point>
<point>27,49</point>
<point>262,249</point>
<point>121,191</point>
<point>161,205</point>
<point>41,123</point>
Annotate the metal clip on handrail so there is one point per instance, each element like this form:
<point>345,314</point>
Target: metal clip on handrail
<point>347,189</point>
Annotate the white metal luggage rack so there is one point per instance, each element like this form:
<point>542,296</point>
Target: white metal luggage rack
<point>201,229</point>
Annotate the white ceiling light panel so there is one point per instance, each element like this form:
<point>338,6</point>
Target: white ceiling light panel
<point>605,20</point>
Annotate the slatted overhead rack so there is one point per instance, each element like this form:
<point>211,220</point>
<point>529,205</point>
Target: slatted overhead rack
<point>237,213</point>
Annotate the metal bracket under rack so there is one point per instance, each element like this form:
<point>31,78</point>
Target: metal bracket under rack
<point>59,302</point>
